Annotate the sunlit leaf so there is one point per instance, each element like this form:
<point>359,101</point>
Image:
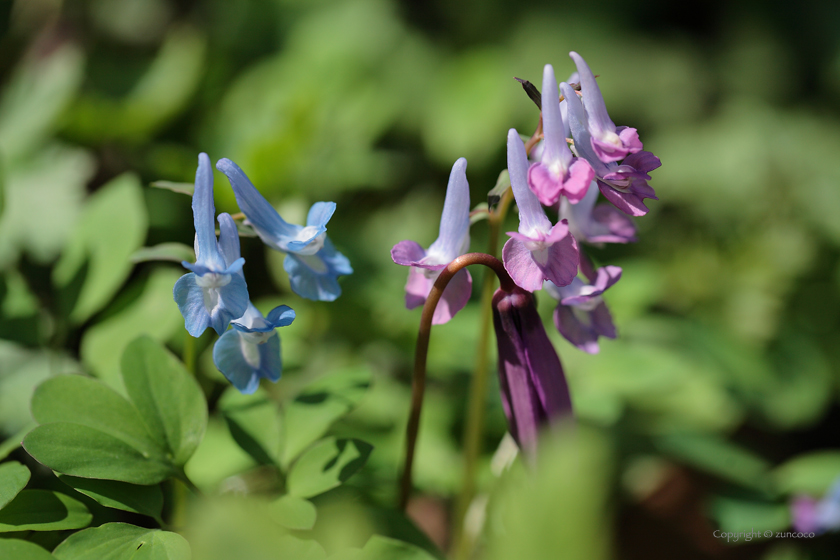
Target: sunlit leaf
<point>13,479</point>
<point>170,402</point>
<point>116,207</point>
<point>327,465</point>
<point>254,422</point>
<point>183,188</point>
<point>810,473</point>
<point>121,541</point>
<point>154,313</point>
<point>293,512</point>
<point>323,402</point>
<point>174,252</point>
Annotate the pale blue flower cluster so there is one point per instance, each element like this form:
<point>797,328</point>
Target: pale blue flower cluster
<point>215,294</point>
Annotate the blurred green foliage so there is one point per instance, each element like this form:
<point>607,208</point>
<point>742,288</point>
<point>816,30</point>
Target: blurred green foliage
<point>716,405</point>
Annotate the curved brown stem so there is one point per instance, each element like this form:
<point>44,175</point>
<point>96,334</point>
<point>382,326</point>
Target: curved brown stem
<point>418,383</point>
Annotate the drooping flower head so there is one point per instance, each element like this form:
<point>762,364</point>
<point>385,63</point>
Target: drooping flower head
<point>533,385</point>
<point>453,241</point>
<point>625,184</point>
<point>609,142</point>
<point>597,224</point>
<point>538,251</point>
<point>558,172</point>
<point>581,315</point>
<point>311,261</point>
<point>214,293</point>
<point>251,349</point>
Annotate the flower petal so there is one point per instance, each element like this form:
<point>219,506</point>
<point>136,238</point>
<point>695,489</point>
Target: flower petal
<point>190,300</point>
<point>320,213</point>
<point>599,120</point>
<point>204,216</point>
<point>454,297</point>
<point>228,239</point>
<point>532,217</point>
<point>407,253</point>
<point>239,367</point>
<point>520,264</point>
<point>281,316</point>
<point>417,288</point>
<point>454,233</point>
<point>573,330</point>
<point>268,224</point>
<point>627,201</point>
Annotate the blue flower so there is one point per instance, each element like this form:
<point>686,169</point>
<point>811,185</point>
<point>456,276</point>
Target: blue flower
<point>251,349</point>
<point>312,262</point>
<point>214,293</point>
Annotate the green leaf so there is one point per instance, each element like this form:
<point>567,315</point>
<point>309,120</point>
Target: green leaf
<point>326,465</point>
<point>171,404</point>
<point>720,457</point>
<point>42,201</point>
<point>811,473</point>
<point>13,479</point>
<point>36,95</point>
<point>13,442</point>
<point>383,548</point>
<point>311,413</point>
<point>153,313</point>
<point>744,515</point>
<point>173,252</point>
<point>254,422</point>
<point>42,510</point>
<point>16,549</point>
<point>116,207</point>
<point>81,400</point>
<point>293,512</point>
<point>182,188</point>
<point>87,452</point>
<point>145,500</point>
<point>121,541</point>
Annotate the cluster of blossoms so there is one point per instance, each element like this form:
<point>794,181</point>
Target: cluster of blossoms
<point>582,153</point>
<point>215,294</point>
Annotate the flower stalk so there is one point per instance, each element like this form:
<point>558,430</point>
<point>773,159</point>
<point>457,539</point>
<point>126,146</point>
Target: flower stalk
<point>418,384</point>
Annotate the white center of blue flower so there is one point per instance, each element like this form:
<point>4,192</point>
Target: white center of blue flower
<point>250,351</point>
<point>210,284</point>
<point>315,242</point>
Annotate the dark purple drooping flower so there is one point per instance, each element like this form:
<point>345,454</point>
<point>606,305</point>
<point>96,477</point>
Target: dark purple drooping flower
<point>534,389</point>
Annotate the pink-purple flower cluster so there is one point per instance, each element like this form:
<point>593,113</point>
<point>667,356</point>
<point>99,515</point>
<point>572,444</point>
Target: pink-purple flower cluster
<point>582,154</point>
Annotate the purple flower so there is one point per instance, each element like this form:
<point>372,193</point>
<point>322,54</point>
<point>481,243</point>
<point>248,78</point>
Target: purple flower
<point>597,224</point>
<point>558,172</point>
<point>539,251</point>
<point>609,142</point>
<point>625,184</point>
<point>534,389</point>
<point>452,242</point>
<point>214,293</point>
<point>582,316</point>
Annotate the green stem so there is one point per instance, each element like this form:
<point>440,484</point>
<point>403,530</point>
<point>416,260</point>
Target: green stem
<point>418,384</point>
<point>474,427</point>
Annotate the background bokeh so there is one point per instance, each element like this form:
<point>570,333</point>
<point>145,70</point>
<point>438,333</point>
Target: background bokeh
<point>717,404</point>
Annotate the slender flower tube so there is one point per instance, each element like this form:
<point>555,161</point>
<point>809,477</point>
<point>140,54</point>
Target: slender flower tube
<point>624,185</point>
<point>558,172</point>
<point>539,251</point>
<point>597,224</point>
<point>214,293</point>
<point>453,241</point>
<point>534,389</point>
<point>582,316</point>
<point>311,261</point>
<point>609,142</point>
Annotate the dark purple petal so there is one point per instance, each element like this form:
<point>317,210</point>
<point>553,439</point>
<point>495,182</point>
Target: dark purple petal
<point>534,389</point>
<point>562,264</point>
<point>627,201</point>
<point>642,161</point>
<point>602,322</point>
